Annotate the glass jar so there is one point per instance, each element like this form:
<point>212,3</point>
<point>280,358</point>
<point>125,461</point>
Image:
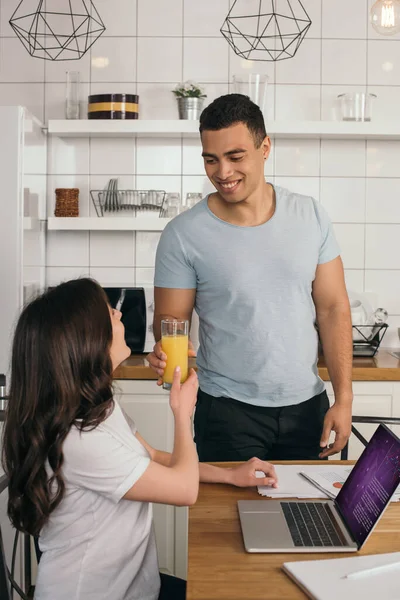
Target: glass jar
<point>356,106</point>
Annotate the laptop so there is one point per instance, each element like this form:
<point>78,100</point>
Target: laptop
<point>340,525</point>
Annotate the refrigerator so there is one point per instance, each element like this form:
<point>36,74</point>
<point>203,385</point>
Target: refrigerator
<point>23,165</point>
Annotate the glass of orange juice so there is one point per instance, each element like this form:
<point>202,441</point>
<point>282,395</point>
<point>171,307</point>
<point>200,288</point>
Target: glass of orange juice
<point>175,344</point>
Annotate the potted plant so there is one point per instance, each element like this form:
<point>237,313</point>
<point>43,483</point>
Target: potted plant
<point>190,99</point>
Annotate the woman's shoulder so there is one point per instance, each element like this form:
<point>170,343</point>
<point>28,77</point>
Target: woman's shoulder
<point>86,436</point>
<point>109,435</point>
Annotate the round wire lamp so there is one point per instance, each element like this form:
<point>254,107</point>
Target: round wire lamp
<point>61,30</point>
<point>267,30</point>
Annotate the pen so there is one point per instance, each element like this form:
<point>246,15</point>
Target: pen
<point>315,484</point>
<point>373,571</point>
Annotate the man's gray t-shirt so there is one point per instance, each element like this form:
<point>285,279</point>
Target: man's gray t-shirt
<point>258,342</point>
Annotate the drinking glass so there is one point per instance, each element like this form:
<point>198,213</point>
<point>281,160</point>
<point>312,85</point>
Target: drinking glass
<point>253,85</point>
<point>192,199</point>
<point>72,95</point>
<point>175,344</point>
<point>173,205</point>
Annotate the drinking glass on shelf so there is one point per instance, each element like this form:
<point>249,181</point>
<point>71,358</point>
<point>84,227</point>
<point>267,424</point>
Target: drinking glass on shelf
<point>175,344</point>
<point>192,199</point>
<point>173,205</point>
<point>72,95</point>
<point>254,85</point>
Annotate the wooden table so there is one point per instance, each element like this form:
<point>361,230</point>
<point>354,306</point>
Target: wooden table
<point>220,568</point>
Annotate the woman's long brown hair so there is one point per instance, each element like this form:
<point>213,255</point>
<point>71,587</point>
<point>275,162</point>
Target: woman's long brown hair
<point>61,375</point>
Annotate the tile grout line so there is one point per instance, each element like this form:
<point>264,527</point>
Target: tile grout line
<point>134,233</point>
<point>320,112</point>
<point>182,77</point>
<point>166,37</point>
<point>366,157</point>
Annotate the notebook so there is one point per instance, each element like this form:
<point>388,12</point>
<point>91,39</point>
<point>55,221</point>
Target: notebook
<point>325,579</point>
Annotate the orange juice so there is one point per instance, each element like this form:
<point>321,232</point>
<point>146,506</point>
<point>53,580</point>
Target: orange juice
<point>176,349</point>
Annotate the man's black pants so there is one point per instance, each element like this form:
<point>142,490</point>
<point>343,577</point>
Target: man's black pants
<point>229,430</point>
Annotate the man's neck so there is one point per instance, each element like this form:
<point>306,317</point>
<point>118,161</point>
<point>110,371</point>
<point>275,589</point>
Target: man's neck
<point>255,210</point>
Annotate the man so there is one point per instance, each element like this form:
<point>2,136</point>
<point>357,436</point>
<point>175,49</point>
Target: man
<point>260,265</point>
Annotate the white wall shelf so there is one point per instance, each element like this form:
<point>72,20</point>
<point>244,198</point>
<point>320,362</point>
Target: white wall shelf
<point>190,129</point>
<point>123,128</point>
<point>142,223</point>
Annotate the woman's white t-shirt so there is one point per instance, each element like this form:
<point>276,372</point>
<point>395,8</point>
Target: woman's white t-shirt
<point>97,545</point>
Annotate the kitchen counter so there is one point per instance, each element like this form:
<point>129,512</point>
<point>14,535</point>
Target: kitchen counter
<point>383,367</point>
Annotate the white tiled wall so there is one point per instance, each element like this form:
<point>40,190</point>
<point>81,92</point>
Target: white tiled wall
<point>151,45</point>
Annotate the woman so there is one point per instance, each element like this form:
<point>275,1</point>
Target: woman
<point>80,475</point>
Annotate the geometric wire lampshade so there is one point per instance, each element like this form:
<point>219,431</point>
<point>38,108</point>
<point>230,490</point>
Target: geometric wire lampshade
<point>61,30</point>
<point>268,30</point>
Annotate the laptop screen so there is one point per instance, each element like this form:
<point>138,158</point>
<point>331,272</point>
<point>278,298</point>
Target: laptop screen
<point>371,483</point>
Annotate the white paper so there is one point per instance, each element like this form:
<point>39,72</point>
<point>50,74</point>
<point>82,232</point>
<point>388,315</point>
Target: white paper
<point>291,484</point>
<point>326,579</point>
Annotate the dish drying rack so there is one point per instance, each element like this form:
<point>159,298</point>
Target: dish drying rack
<point>128,202</point>
<point>368,339</point>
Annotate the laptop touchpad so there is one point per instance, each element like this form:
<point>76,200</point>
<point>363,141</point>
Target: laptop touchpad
<point>266,529</point>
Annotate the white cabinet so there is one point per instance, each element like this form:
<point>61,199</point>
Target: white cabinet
<point>371,399</point>
<point>148,406</point>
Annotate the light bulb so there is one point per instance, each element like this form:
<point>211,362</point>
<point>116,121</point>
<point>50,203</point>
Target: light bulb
<point>385,16</point>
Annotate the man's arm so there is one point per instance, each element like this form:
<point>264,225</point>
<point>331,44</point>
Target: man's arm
<point>334,323</point>
<point>159,456</point>
<point>172,303</point>
<point>169,303</point>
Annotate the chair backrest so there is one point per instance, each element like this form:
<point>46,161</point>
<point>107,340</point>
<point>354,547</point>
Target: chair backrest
<point>7,581</point>
<point>371,420</point>
<point>5,592</point>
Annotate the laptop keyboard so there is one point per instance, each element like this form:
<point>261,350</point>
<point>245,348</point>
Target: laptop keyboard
<point>310,524</point>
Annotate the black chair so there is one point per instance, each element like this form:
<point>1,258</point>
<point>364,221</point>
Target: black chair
<point>7,581</point>
<point>371,420</point>
<point>5,591</point>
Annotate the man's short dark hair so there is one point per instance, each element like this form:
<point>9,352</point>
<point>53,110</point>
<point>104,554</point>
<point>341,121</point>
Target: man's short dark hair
<point>232,109</point>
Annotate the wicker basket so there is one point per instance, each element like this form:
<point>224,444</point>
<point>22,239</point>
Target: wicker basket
<point>67,202</point>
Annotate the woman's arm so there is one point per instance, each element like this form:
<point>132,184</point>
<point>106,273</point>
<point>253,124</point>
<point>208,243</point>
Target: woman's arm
<point>243,475</point>
<point>177,482</point>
